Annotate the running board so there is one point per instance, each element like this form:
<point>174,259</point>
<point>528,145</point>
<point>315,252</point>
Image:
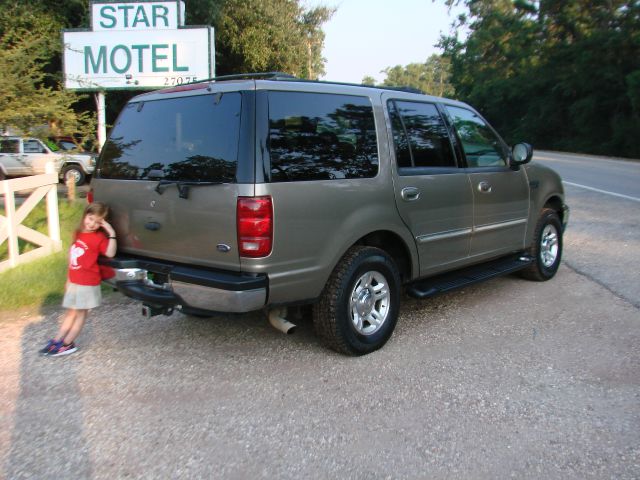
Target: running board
<point>478,273</point>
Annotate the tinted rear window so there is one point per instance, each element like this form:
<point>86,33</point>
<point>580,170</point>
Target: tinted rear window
<point>188,138</point>
<point>321,137</point>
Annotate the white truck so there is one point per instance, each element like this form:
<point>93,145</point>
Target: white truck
<point>28,156</point>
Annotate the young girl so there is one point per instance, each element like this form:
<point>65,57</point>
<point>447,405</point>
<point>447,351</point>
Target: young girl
<point>94,236</point>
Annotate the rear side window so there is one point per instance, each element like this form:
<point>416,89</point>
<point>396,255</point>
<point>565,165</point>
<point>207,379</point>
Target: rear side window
<point>10,146</point>
<point>187,139</point>
<point>420,135</point>
<point>321,137</point>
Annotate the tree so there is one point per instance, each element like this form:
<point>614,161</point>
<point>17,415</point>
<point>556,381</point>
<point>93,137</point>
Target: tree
<point>559,73</point>
<point>66,14</point>
<point>432,77</point>
<point>251,36</point>
<point>31,100</point>
<point>264,35</point>
<point>368,80</point>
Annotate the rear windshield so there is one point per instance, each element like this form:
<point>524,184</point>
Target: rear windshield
<point>183,139</point>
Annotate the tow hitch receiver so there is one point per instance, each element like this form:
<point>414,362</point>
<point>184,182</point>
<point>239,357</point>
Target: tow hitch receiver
<point>153,310</point>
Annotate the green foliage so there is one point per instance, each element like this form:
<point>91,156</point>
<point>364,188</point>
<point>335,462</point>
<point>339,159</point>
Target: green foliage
<point>432,77</point>
<point>562,74</point>
<point>68,13</point>
<point>251,36</point>
<point>32,101</point>
<point>264,35</point>
<point>41,281</point>
<point>368,80</point>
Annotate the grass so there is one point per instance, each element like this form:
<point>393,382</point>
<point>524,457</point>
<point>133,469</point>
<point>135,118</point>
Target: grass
<point>40,282</point>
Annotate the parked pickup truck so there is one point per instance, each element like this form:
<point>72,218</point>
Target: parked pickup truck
<point>28,156</point>
<point>264,192</point>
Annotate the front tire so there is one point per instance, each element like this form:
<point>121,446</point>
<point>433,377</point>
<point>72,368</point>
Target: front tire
<point>547,247</point>
<point>358,309</point>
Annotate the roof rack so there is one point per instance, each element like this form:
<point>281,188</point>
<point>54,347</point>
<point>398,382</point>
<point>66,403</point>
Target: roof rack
<point>289,77</point>
<point>403,89</point>
<point>400,88</point>
<point>248,76</point>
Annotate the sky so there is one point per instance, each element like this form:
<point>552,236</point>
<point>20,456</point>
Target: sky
<point>366,36</point>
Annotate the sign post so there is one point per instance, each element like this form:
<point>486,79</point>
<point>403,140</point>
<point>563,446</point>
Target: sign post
<point>136,45</point>
<point>102,122</point>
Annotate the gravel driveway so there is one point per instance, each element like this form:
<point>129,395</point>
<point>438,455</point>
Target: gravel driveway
<point>505,379</point>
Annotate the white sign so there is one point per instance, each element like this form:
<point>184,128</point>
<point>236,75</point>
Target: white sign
<point>137,45</point>
<point>137,16</point>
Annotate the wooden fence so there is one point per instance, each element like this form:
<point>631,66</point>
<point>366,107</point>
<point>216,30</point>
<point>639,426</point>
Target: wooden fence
<point>11,227</point>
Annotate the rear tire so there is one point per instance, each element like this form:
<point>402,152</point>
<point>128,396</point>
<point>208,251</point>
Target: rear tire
<point>75,172</point>
<point>358,309</point>
<point>547,247</point>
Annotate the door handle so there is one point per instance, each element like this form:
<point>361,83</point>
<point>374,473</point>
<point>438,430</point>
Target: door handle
<point>484,187</point>
<point>409,194</point>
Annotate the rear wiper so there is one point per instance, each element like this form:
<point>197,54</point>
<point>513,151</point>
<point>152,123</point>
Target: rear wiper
<point>183,187</point>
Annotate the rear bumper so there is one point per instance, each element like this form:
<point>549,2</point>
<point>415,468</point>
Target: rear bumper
<point>166,285</point>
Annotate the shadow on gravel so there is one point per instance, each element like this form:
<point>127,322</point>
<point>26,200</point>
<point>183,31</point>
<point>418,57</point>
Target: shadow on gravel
<point>48,433</point>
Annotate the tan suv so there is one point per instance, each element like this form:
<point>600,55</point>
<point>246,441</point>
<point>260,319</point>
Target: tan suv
<point>264,192</point>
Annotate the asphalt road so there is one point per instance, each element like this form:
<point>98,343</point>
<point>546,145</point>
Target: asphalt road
<point>603,239</point>
<point>615,177</point>
<point>507,379</point>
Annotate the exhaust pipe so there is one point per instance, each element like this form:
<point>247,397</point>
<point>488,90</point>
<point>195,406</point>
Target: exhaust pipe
<point>277,320</point>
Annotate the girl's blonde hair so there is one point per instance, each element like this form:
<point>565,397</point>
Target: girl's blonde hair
<point>98,209</point>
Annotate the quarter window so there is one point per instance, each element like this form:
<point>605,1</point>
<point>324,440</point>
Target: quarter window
<point>321,137</point>
<point>481,145</point>
<point>33,146</point>
<point>420,135</point>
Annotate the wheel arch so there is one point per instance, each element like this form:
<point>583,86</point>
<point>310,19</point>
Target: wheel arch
<point>555,203</point>
<point>73,163</point>
<point>394,246</point>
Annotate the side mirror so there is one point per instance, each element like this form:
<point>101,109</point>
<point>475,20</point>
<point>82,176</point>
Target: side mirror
<point>521,154</point>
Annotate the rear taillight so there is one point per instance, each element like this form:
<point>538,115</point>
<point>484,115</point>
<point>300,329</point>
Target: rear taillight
<point>90,196</point>
<point>255,226</point>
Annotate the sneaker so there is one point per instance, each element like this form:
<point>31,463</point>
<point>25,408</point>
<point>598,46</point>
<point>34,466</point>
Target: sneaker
<point>51,345</point>
<point>63,350</point>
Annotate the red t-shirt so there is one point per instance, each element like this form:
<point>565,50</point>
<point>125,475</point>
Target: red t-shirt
<point>83,257</point>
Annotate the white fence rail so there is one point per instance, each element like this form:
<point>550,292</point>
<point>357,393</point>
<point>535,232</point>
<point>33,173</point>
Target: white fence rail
<point>11,227</point>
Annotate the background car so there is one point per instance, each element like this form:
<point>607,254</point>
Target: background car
<point>28,156</point>
<point>70,144</point>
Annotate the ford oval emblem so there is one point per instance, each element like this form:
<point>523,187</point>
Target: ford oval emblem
<point>153,226</point>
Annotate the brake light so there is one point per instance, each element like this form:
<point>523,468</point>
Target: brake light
<point>90,196</point>
<point>255,226</point>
